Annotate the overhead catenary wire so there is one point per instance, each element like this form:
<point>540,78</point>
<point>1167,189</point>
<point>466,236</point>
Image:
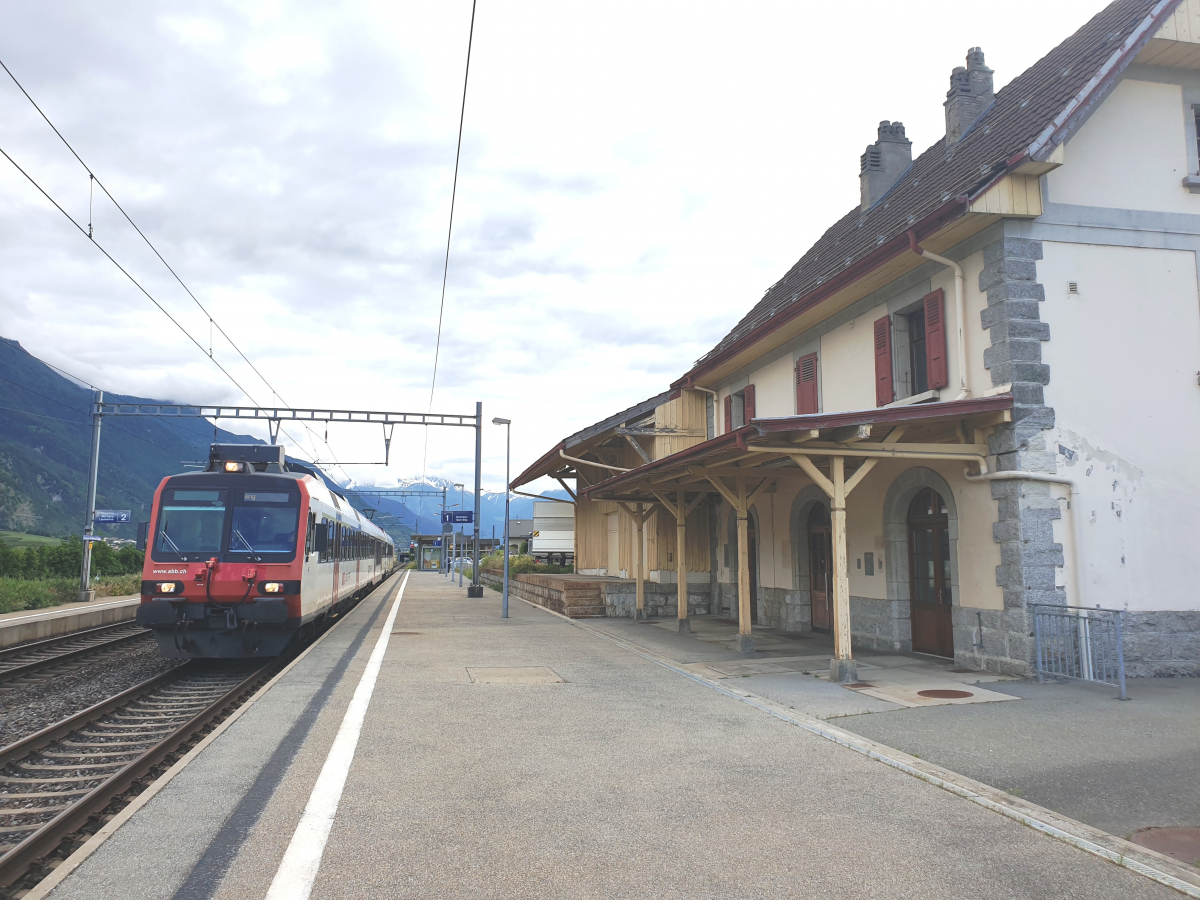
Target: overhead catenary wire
<point>462,115</point>
<point>212,322</point>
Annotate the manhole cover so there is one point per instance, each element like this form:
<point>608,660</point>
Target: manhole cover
<point>943,694</point>
<point>1182,844</point>
<point>514,675</point>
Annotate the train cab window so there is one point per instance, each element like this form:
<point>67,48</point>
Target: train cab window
<point>191,524</point>
<point>265,525</point>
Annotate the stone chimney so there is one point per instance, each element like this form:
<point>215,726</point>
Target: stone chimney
<point>969,96</point>
<point>884,162</point>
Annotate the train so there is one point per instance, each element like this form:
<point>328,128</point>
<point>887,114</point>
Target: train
<point>252,553</point>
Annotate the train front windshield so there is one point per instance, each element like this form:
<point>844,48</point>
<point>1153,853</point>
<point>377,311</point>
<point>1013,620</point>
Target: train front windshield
<point>264,522</point>
<point>190,524</point>
<point>235,525</point>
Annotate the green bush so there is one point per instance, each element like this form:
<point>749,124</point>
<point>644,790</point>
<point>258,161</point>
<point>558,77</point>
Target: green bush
<point>38,593</point>
<point>64,560</point>
<point>521,565</point>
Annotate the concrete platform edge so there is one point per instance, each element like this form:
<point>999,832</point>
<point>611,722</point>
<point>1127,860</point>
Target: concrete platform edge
<point>1154,866</point>
<point>43,888</point>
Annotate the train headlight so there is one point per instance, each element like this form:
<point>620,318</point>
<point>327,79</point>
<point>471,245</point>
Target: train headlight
<point>233,467</point>
<point>272,587</point>
<point>165,587</point>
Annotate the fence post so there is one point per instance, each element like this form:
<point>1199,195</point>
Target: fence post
<point>1037,631</point>
<point>1117,617</point>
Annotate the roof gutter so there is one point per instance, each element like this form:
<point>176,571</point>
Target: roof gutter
<point>1054,133</point>
<point>947,212</point>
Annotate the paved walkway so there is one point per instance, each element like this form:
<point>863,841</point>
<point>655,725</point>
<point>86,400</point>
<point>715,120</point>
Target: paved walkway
<point>479,774</point>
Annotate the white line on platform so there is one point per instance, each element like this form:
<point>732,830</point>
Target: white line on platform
<point>302,859</point>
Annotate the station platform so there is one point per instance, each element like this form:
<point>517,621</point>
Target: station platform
<point>37,624</point>
<point>536,756</point>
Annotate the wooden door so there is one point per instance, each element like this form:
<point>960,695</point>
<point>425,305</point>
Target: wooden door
<point>614,545</point>
<point>820,567</point>
<point>930,597</point>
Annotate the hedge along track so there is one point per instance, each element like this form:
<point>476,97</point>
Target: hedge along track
<point>26,659</point>
<point>54,782</point>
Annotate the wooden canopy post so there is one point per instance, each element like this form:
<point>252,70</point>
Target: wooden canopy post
<point>685,624</point>
<point>640,613</point>
<point>842,668</point>
<point>741,501</point>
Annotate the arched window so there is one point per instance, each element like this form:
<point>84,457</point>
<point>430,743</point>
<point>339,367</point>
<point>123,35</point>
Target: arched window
<point>820,566</point>
<point>929,570</point>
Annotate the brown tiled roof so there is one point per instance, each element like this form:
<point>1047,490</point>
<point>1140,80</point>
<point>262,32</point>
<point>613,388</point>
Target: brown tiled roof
<point>1023,111</point>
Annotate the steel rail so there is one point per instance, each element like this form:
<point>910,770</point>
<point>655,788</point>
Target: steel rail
<point>8,672</point>
<point>15,862</point>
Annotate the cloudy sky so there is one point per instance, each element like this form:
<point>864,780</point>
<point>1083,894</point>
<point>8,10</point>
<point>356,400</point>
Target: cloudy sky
<point>634,176</point>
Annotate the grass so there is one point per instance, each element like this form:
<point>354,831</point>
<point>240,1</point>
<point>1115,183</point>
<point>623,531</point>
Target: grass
<point>20,539</point>
<point>21,593</point>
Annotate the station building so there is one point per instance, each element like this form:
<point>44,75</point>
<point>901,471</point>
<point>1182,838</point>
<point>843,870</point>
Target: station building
<point>978,392</point>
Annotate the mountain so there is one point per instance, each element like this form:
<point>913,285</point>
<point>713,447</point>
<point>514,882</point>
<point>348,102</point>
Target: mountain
<point>423,513</point>
<point>45,444</point>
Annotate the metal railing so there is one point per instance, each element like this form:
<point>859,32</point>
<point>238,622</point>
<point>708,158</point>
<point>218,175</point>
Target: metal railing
<point>1074,642</point>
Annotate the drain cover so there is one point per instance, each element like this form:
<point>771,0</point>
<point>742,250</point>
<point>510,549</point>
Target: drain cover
<point>514,675</point>
<point>942,694</point>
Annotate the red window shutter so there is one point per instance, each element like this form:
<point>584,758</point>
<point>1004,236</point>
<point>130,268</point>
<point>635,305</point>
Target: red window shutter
<point>748,404</point>
<point>884,390</point>
<point>935,340</point>
<point>806,385</point>
<point>729,414</point>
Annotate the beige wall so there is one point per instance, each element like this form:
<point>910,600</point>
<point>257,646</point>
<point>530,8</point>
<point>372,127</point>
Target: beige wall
<point>847,374</point>
<point>1131,154</point>
<point>978,553</point>
<point>774,389</point>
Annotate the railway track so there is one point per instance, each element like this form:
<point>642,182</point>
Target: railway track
<point>54,782</point>
<point>27,659</point>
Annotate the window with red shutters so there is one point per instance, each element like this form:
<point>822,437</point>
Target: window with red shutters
<point>729,413</point>
<point>935,340</point>
<point>748,408</point>
<point>884,390</point>
<point>806,385</point>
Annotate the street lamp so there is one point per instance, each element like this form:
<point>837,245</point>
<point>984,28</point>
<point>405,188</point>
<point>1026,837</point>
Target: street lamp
<point>507,423</point>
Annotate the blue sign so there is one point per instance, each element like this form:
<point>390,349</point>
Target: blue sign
<point>458,517</point>
<point>114,516</point>
<point>437,543</point>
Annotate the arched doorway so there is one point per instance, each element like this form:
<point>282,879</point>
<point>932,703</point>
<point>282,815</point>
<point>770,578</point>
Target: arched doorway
<point>820,566</point>
<point>930,589</point>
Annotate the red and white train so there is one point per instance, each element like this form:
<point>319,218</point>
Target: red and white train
<point>246,554</point>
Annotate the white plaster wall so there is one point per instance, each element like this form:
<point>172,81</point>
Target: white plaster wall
<point>1124,357</point>
<point>1131,154</point>
<point>774,389</point>
<point>848,364</point>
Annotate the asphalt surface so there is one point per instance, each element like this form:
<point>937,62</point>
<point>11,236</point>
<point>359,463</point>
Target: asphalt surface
<point>625,780</point>
<point>1117,765</point>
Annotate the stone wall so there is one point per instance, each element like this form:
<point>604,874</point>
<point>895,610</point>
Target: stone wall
<point>1162,643</point>
<point>879,624</point>
<point>662,600</point>
<point>1025,509</point>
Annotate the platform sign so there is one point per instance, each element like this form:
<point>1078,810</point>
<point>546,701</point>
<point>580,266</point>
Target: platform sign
<point>114,516</point>
<point>458,517</point>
